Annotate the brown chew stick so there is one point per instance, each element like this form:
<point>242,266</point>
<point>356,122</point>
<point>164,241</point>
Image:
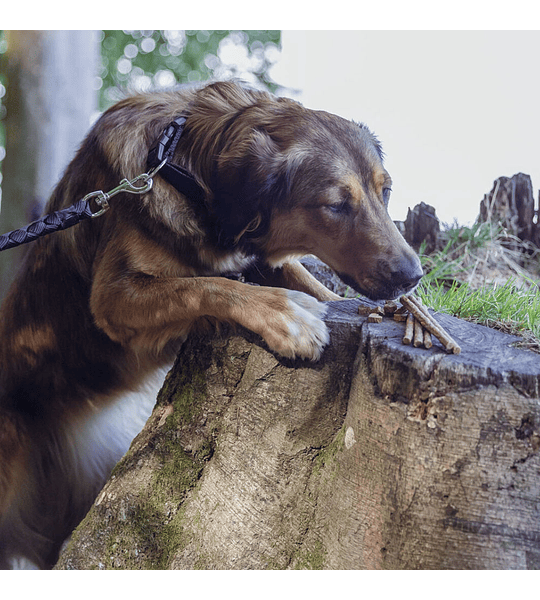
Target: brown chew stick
<point>419,331</point>
<point>409,329</point>
<point>418,334</point>
<point>427,339</point>
<point>429,323</point>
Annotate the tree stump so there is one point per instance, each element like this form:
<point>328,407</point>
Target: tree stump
<point>422,225</point>
<point>380,456</point>
<point>510,203</point>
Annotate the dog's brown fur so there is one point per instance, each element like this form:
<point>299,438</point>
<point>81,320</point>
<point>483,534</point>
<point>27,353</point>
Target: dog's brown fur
<point>99,309</point>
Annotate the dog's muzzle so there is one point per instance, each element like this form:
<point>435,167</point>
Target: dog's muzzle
<point>388,282</point>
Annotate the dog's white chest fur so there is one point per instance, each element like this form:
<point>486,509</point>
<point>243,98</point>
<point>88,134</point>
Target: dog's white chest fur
<point>99,442</point>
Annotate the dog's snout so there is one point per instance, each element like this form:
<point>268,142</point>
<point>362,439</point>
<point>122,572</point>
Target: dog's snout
<point>409,273</point>
<point>391,278</point>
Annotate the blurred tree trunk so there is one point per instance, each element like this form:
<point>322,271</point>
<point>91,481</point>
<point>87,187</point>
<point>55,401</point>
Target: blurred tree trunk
<point>50,101</point>
<point>380,456</point>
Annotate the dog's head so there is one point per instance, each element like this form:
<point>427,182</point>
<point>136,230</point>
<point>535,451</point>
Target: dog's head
<point>291,181</point>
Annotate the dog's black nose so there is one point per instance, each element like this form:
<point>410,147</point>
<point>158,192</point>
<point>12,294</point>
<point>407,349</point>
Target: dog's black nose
<point>411,281</point>
<point>408,275</point>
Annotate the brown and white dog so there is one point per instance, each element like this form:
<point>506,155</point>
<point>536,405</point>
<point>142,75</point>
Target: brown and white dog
<point>98,311</point>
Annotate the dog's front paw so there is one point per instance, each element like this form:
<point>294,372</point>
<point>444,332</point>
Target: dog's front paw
<point>304,333</point>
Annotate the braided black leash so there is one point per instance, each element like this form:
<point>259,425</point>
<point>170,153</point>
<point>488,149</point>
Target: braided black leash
<point>158,158</point>
<point>61,219</point>
<point>81,210</point>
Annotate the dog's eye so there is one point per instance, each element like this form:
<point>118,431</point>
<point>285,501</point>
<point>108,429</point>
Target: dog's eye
<point>344,206</point>
<point>386,195</point>
<point>338,201</point>
<point>340,208</point>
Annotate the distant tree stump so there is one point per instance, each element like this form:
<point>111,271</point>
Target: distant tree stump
<point>510,203</point>
<point>422,225</point>
<point>380,456</point>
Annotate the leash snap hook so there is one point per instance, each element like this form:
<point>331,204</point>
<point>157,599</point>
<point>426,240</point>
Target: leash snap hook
<point>129,186</point>
<point>102,198</point>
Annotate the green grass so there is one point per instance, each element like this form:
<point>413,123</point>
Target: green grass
<point>507,307</point>
<point>512,306</point>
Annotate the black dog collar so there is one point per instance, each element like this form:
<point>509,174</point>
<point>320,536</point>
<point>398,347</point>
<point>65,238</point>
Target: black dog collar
<point>163,150</point>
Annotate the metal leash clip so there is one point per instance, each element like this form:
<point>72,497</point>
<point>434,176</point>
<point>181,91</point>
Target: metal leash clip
<point>102,198</point>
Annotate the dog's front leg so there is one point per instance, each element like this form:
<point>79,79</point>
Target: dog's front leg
<point>145,312</point>
<point>293,276</point>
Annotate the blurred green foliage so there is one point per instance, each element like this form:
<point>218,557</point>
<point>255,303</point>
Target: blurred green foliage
<point>138,60</point>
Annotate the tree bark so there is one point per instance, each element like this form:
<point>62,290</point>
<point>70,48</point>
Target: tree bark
<point>50,100</point>
<point>380,456</point>
<point>422,225</point>
<point>510,203</point>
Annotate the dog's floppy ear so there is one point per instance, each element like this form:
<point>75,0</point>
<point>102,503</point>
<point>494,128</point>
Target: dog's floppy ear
<point>252,178</point>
